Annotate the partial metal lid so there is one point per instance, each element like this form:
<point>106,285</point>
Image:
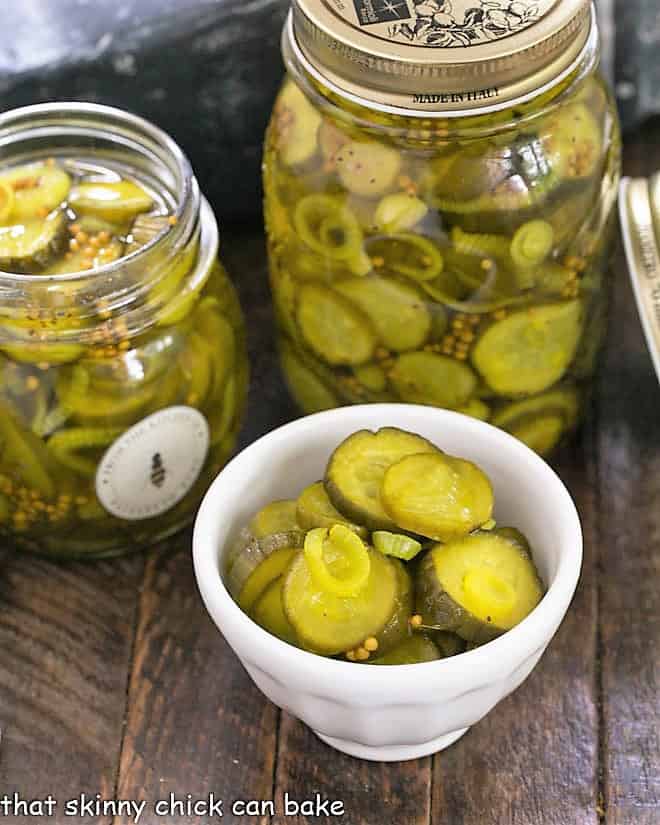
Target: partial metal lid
<point>448,55</point>
<point>639,209</point>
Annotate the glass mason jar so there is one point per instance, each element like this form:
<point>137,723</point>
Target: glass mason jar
<point>432,239</point>
<point>123,368</point>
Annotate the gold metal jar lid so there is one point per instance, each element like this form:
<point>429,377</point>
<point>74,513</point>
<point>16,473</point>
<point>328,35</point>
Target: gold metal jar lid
<point>639,209</point>
<point>439,56</point>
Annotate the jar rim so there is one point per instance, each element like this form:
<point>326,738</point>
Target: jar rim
<point>297,62</point>
<point>19,123</point>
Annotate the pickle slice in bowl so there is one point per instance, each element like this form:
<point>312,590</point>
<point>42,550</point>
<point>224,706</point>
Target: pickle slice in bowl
<point>478,586</point>
<point>437,495</point>
<point>356,468</point>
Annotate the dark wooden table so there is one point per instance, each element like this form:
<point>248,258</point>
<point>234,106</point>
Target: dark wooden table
<point>114,681</point>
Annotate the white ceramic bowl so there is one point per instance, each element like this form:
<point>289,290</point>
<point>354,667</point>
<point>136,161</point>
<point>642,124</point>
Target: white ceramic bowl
<point>407,711</point>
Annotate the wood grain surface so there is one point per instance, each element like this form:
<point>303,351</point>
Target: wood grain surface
<point>114,681</point>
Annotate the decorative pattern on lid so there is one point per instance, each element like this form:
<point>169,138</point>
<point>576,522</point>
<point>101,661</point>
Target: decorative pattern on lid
<point>447,24</point>
<point>442,56</point>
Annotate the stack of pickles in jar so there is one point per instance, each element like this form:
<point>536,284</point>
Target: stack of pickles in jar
<point>393,558</point>
<point>457,263</point>
<point>76,373</point>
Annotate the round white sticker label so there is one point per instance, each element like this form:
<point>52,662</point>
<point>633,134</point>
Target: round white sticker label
<point>152,466</point>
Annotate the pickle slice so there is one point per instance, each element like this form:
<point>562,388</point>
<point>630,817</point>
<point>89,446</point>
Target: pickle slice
<point>478,586</point>
<point>541,433</point>
<point>112,201</point>
<point>367,169</point>
<point>336,331</point>
<point>397,312</point>
<point>308,391</point>
<point>540,421</point>
<point>314,509</point>
<point>573,142</point>
<point>144,229</point>
<point>437,495</point>
<point>434,380</point>
<point>297,124</point>
<point>412,651</point>
<point>30,246</point>
<point>268,612</point>
<point>356,468</point>
<point>245,560</point>
<point>371,376</point>
<point>330,624</point>
<point>529,350</point>
<point>276,517</point>
<point>6,201</point>
<point>263,575</point>
<point>38,188</point>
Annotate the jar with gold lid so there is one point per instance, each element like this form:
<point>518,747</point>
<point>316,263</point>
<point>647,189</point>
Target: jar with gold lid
<point>123,368</point>
<point>439,188</point>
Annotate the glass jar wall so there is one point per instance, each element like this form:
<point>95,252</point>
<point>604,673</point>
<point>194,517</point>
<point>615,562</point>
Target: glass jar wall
<point>454,261</point>
<point>123,370</point>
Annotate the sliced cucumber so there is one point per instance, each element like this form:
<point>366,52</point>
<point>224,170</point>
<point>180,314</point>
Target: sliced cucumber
<point>298,125</point>
<point>244,561</point>
<point>6,202</point>
<point>478,586</point>
<point>398,626</point>
<point>268,612</point>
<point>371,376</point>
<point>412,651</point>
<point>435,380</point>
<point>333,328</point>
<point>307,389</point>
<point>475,408</point>
<point>540,433</point>
<point>330,624</point>
<point>31,246</point>
<point>356,469</point>
<point>564,401</point>
<point>144,229</point>
<point>367,169</point>
<point>397,311</point>
<point>276,517</point>
<point>38,188</point>
<point>449,644</point>
<point>437,495</point>
<point>541,421</point>
<point>263,575</point>
<point>314,509</point>
<point>573,142</point>
<point>112,201</point>
<point>530,349</point>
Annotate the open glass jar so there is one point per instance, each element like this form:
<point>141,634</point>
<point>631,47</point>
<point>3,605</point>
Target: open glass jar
<point>123,369</point>
<point>434,239</point>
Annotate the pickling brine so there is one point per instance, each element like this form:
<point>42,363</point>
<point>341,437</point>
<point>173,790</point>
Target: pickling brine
<point>458,261</point>
<point>123,371</point>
